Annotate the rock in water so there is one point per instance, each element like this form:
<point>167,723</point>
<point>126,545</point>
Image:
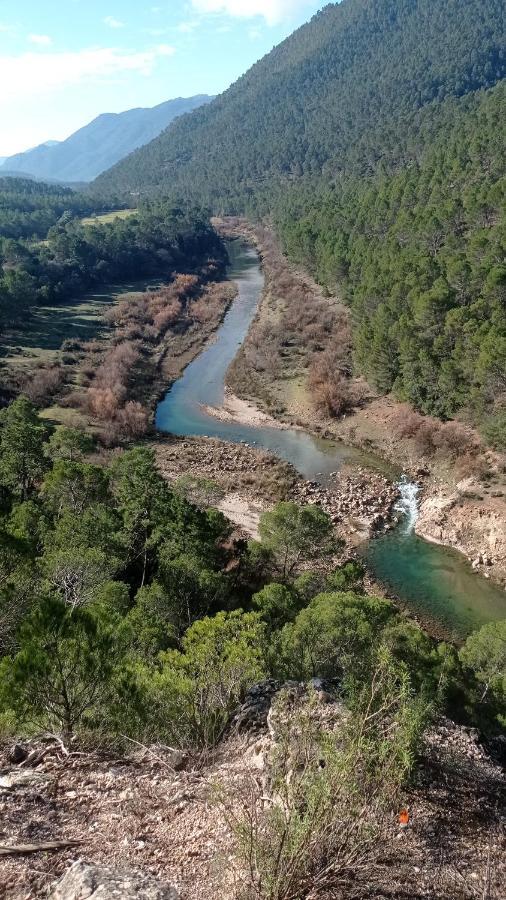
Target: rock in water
<point>87,881</point>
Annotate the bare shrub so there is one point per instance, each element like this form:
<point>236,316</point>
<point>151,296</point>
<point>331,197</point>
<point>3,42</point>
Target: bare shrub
<point>329,377</point>
<point>42,386</point>
<point>456,440</point>
<point>103,403</point>
<point>407,422</point>
<point>426,437</point>
<point>471,465</point>
<point>167,316</point>
<point>133,420</point>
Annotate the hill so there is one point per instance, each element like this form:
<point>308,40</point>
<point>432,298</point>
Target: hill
<point>374,135</point>
<point>333,96</point>
<point>100,144</point>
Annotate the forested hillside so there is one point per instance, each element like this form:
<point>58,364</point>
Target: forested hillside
<point>375,135</point>
<point>333,97</point>
<point>28,209</point>
<point>419,255</point>
<point>156,240</point>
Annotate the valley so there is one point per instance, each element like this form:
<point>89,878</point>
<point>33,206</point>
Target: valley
<point>432,583</point>
<point>253,452</point>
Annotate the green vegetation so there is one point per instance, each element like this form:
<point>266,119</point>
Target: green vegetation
<point>29,209</point>
<point>338,95</point>
<point>158,239</point>
<point>374,134</point>
<point>120,611</point>
<point>326,806</point>
<point>419,257</point>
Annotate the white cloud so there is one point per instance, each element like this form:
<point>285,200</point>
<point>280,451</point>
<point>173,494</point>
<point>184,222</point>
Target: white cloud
<point>273,11</point>
<point>41,73</point>
<point>42,40</point>
<point>156,32</point>
<point>113,23</point>
<point>188,27</point>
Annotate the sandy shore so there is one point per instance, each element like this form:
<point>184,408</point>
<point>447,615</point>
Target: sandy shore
<point>242,512</point>
<point>236,410</point>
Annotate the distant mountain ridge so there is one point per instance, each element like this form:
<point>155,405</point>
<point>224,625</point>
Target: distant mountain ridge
<point>100,144</point>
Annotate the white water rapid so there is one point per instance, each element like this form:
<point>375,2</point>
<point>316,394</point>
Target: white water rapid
<point>407,504</point>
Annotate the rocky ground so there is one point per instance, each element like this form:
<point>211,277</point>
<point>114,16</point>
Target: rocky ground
<point>156,811</point>
<point>359,501</point>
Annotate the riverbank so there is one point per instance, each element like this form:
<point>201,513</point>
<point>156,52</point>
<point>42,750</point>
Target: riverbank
<point>464,484</point>
<point>359,503</point>
<point>140,341</point>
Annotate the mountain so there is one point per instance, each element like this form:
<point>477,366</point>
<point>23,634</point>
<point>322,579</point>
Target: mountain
<point>374,139</point>
<point>334,95</point>
<point>100,144</point>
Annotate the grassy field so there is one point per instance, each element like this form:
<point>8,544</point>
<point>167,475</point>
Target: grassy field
<point>39,338</point>
<point>108,217</point>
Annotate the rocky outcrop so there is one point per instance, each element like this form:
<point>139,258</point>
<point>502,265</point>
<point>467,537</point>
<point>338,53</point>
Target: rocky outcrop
<point>470,522</point>
<point>256,712</point>
<point>86,881</point>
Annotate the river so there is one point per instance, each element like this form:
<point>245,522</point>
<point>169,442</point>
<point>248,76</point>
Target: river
<point>436,582</point>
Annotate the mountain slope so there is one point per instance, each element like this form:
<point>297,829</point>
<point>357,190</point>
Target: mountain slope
<point>303,109</point>
<point>375,137</point>
<point>100,144</point>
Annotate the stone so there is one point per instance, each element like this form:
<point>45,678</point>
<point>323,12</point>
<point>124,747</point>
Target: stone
<point>87,881</point>
<point>18,754</point>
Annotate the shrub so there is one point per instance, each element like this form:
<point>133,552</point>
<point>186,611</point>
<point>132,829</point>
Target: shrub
<point>41,387</point>
<point>334,635</point>
<point>63,672</point>
<point>325,813</point>
<point>133,420</point>
<point>192,696</point>
<point>296,535</point>
<point>484,654</point>
<point>494,430</point>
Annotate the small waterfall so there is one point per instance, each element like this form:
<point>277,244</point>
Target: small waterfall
<point>407,504</point>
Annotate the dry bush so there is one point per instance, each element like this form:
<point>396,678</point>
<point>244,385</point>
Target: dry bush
<point>456,440</point>
<point>329,376</point>
<point>407,422</point>
<point>133,420</point>
<point>167,317</point>
<point>103,403</point>
<point>426,437</point>
<point>471,465</point>
<point>75,400</point>
<point>40,388</point>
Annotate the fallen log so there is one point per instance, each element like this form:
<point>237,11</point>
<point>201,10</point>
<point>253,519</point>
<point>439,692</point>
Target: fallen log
<point>20,849</point>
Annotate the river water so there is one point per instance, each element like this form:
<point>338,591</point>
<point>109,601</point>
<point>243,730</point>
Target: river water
<point>437,583</point>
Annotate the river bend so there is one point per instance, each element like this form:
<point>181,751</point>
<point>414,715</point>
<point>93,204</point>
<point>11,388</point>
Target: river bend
<point>436,582</point>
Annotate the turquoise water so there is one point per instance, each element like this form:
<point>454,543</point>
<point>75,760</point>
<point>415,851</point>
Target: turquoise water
<point>202,384</point>
<point>436,582</point>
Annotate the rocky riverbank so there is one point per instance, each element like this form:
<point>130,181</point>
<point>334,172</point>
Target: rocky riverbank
<point>359,501</point>
<point>469,520</point>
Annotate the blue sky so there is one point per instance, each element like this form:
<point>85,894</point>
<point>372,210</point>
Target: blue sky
<point>62,62</point>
